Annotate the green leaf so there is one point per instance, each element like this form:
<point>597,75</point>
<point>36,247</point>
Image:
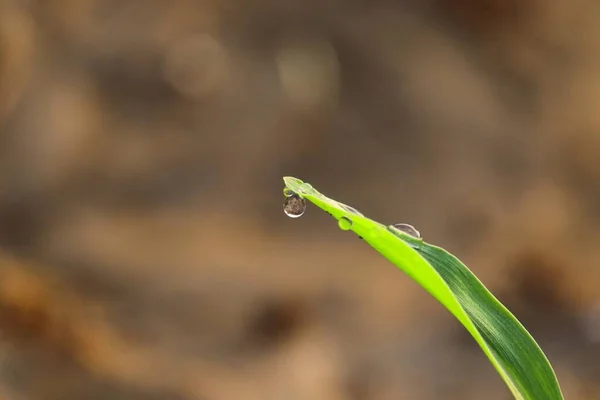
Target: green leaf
<point>509,347</point>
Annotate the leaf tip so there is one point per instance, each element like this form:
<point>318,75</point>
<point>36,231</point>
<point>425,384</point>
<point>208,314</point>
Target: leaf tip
<point>292,183</point>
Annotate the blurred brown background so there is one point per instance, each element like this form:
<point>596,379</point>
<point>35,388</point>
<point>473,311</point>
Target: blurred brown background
<point>144,253</point>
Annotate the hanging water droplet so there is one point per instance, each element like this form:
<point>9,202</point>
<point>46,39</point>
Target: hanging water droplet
<point>294,206</point>
<point>345,224</point>
<point>287,192</point>
<point>409,229</point>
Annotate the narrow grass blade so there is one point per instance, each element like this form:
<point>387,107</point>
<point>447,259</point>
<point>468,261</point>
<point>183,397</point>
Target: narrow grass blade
<point>509,347</point>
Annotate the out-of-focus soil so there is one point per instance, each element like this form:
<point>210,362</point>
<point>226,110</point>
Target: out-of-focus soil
<point>144,253</point>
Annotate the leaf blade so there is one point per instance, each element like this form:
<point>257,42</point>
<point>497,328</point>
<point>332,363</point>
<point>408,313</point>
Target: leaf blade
<point>510,348</point>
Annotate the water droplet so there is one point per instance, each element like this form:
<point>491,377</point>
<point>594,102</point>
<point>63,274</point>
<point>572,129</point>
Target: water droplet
<point>345,224</point>
<point>409,229</point>
<point>287,192</point>
<point>351,210</point>
<point>306,188</point>
<point>294,206</point>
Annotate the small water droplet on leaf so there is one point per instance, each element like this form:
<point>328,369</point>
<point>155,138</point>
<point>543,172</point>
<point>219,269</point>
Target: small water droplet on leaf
<point>351,210</point>
<point>345,224</point>
<point>306,188</point>
<point>287,192</point>
<point>294,206</point>
<point>409,229</point>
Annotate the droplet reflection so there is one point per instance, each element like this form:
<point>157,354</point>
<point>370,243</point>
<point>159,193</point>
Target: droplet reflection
<point>350,209</point>
<point>294,206</point>
<point>409,229</point>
